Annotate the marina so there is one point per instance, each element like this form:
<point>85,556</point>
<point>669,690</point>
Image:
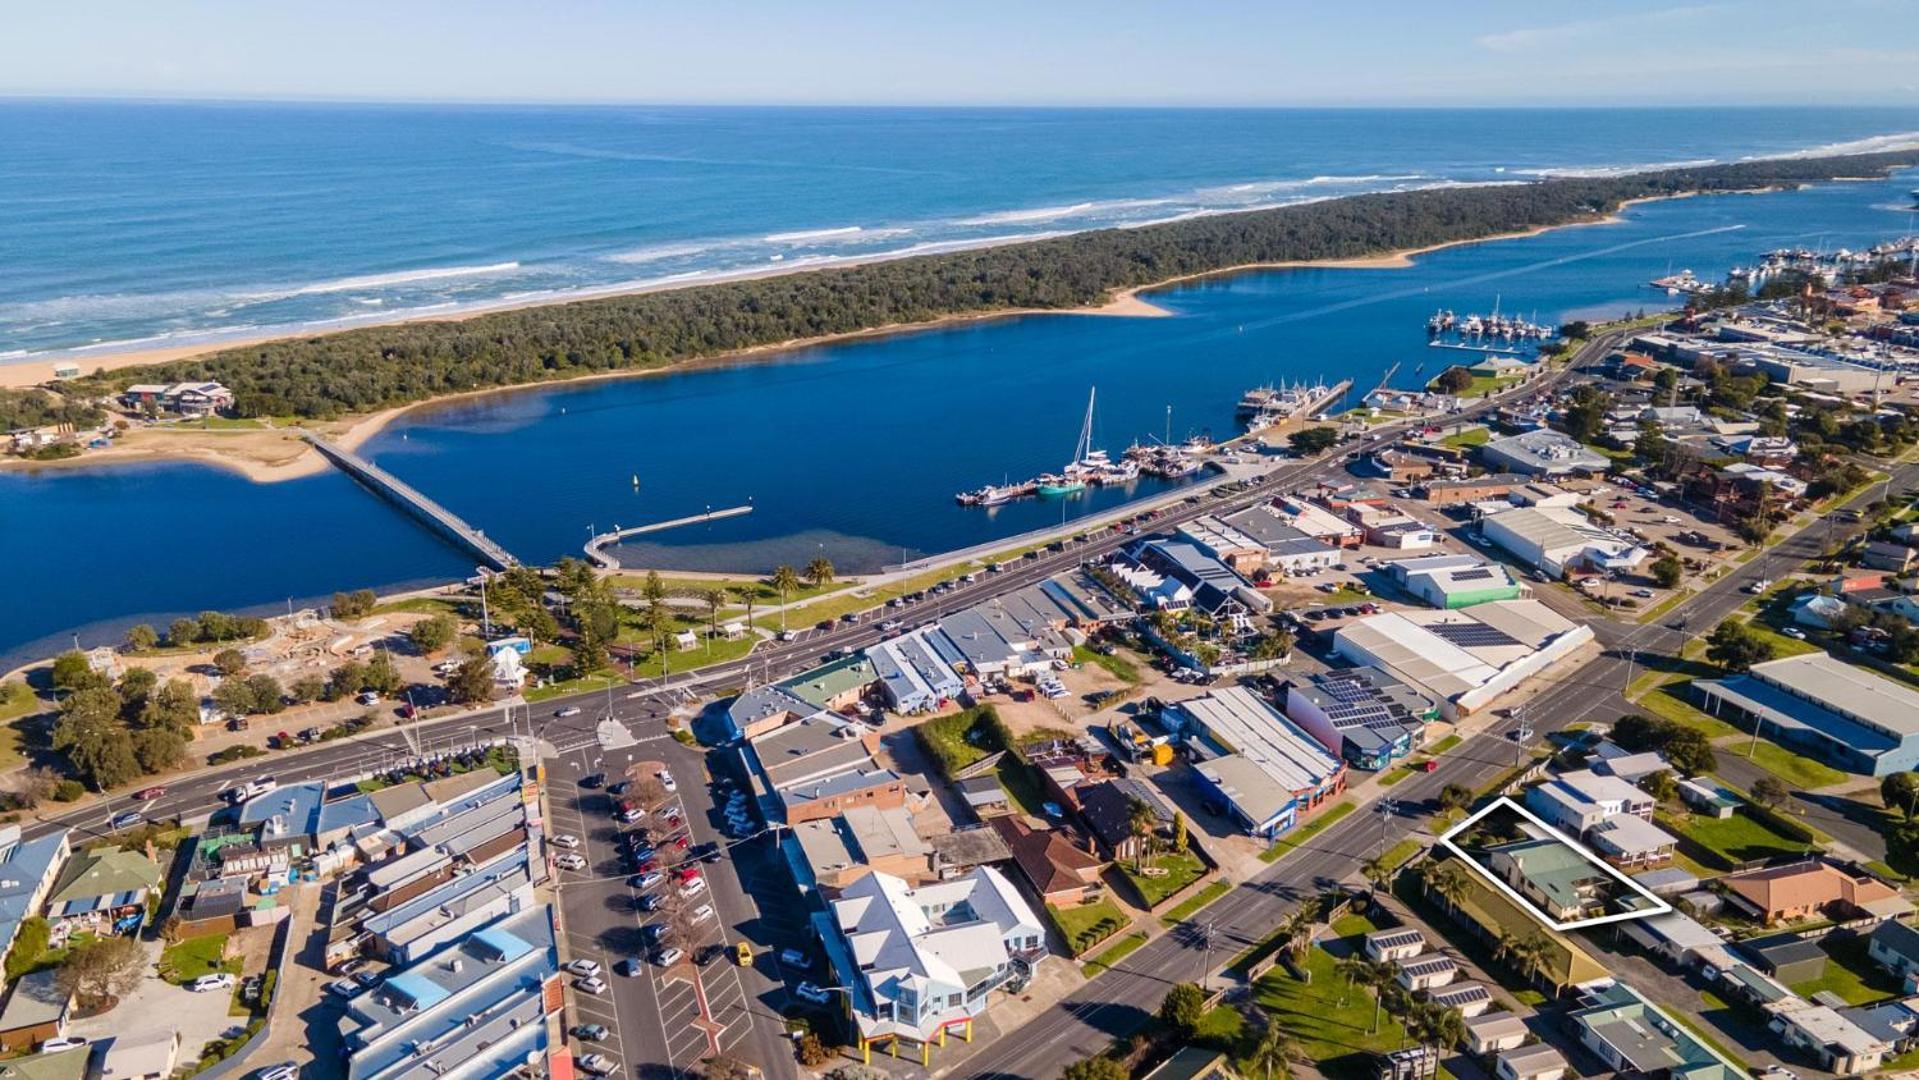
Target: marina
<point>1504,335</point>
<point>1266,407</point>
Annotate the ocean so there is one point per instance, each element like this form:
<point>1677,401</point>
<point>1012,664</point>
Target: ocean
<point>852,449</point>
<point>130,225</point>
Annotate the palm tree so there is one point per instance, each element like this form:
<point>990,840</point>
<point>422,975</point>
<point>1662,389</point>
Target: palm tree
<point>785,580</point>
<point>1376,977</point>
<point>1352,968</point>
<point>1273,1055</point>
<point>1377,873</point>
<point>1296,936</point>
<point>1534,950</point>
<point>1446,1028</point>
<point>820,571</point>
<point>716,599</point>
<point>1141,821</point>
<point>1449,880</point>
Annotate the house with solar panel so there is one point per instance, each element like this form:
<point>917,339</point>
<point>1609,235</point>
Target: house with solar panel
<point>1363,714</point>
<point>475,1008</point>
<point>1456,581</point>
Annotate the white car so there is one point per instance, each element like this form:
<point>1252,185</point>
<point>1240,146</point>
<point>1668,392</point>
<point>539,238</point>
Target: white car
<point>669,957</point>
<point>345,988</point>
<point>570,710</point>
<point>702,913</point>
<point>65,1042</point>
<point>651,878</point>
<point>569,861</point>
<point>219,980</point>
<point>287,1071</point>
<point>598,1064</point>
<point>565,841</point>
<point>583,966</point>
<point>592,984</point>
<point>693,888</point>
<point>666,781</point>
<point>1794,632</point>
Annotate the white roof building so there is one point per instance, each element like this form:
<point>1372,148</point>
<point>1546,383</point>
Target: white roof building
<point>1559,540</point>
<point>919,960</point>
<point>1578,800</point>
<point>1262,763</point>
<point>1541,452</point>
<point>1463,658</point>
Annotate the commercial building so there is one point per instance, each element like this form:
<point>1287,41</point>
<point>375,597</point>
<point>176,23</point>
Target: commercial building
<point>450,910</point>
<point>1443,493</point>
<point>827,688</point>
<point>1456,581</point>
<point>1266,769</point>
<point>818,767</point>
<point>475,1010</point>
<point>1560,541</point>
<point>917,962</point>
<point>1288,550</point>
<point>1844,715</point>
<point>1317,522</point>
<point>1363,714</point>
<point>917,671</point>
<point>1463,659</point>
<point>1634,1037</point>
<point>1174,576</point>
<point>832,853</point>
<point>1542,452</point>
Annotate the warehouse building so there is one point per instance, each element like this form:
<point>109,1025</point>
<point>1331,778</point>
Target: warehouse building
<point>1450,582</point>
<point>1846,716</point>
<point>1268,771</point>
<point>1542,452</point>
<point>1463,659</point>
<point>1560,541</point>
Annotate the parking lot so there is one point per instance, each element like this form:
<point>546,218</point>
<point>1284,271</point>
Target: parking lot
<point>703,1001</point>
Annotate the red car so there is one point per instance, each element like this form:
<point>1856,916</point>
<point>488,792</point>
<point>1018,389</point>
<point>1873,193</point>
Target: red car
<point>149,794</point>
<point>686,873</point>
<point>648,866</point>
<point>680,841</point>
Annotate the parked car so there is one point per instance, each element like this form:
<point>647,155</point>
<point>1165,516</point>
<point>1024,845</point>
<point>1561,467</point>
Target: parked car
<point>583,966</point>
<point>650,879</point>
<point>592,780</point>
<point>65,1042</point>
<point>648,902</point>
<point>666,781</point>
<point>569,861</point>
<point>564,840</point>
<point>668,957</point>
<point>284,1071</point>
<point>702,913</point>
<point>590,1032</point>
<point>345,988</point>
<point>598,1064</point>
<point>592,984</point>
<point>219,980</point>
<point>794,958</point>
<point>693,888</point>
<point>813,994</point>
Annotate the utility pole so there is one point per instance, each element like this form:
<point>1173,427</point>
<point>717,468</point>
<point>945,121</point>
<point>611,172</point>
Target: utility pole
<point>1387,809</point>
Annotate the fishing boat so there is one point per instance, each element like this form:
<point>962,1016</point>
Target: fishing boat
<point>1256,400</point>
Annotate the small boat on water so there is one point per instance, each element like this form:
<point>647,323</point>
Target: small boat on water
<point>1089,467</point>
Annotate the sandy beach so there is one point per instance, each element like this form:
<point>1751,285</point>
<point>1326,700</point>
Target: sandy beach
<point>268,455</point>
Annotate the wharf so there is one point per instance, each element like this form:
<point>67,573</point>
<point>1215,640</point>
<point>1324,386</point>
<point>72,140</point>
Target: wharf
<point>596,547</point>
<point>403,495</point>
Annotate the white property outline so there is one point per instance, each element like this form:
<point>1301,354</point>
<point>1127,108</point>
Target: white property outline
<point>1660,907</point>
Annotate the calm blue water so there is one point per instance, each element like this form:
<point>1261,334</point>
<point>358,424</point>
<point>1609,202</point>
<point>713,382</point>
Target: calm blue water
<point>156,224</point>
<point>853,449</point>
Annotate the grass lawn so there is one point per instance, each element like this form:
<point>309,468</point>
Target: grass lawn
<point>1116,665</point>
<point>599,680</point>
<point>1397,855</point>
<point>1445,744</point>
<point>1782,646</point>
<point>831,607</point>
<point>1114,955</point>
<point>1182,869</point>
<point>710,651</point>
<point>957,741</point>
<point>1301,834</point>
<point>16,700</point>
<point>1191,906</point>
<point>764,594</point>
<point>1087,925</point>
<point>1021,785</point>
<point>1477,436</point>
<point>1395,774</point>
<point>420,605</point>
<point>1851,974</point>
<point>190,959</point>
<point>1739,838</point>
<point>1331,1020</point>
<point>1670,702</point>
<point>1797,770</point>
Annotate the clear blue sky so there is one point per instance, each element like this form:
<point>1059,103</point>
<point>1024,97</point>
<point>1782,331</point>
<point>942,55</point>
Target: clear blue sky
<point>1198,52</point>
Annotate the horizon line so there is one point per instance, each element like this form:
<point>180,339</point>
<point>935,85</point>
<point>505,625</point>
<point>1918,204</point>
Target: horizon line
<point>133,98</point>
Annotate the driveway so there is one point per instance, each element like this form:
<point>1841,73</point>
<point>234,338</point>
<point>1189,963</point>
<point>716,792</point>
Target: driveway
<point>157,1005</point>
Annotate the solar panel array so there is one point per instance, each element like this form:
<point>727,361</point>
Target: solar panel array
<point>1357,703</point>
<point>1460,996</point>
<point>1473,573</point>
<point>1472,635</point>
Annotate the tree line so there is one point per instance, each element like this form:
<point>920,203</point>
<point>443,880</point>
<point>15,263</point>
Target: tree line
<point>374,368</point>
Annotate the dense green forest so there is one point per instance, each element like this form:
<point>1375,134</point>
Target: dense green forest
<point>379,367</point>
<point>23,409</point>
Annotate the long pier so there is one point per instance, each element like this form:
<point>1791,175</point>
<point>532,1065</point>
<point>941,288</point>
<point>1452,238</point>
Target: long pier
<point>408,498</point>
<point>596,547</point>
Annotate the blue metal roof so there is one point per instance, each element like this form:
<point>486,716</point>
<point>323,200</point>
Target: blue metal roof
<point>423,992</point>
<point>508,945</point>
